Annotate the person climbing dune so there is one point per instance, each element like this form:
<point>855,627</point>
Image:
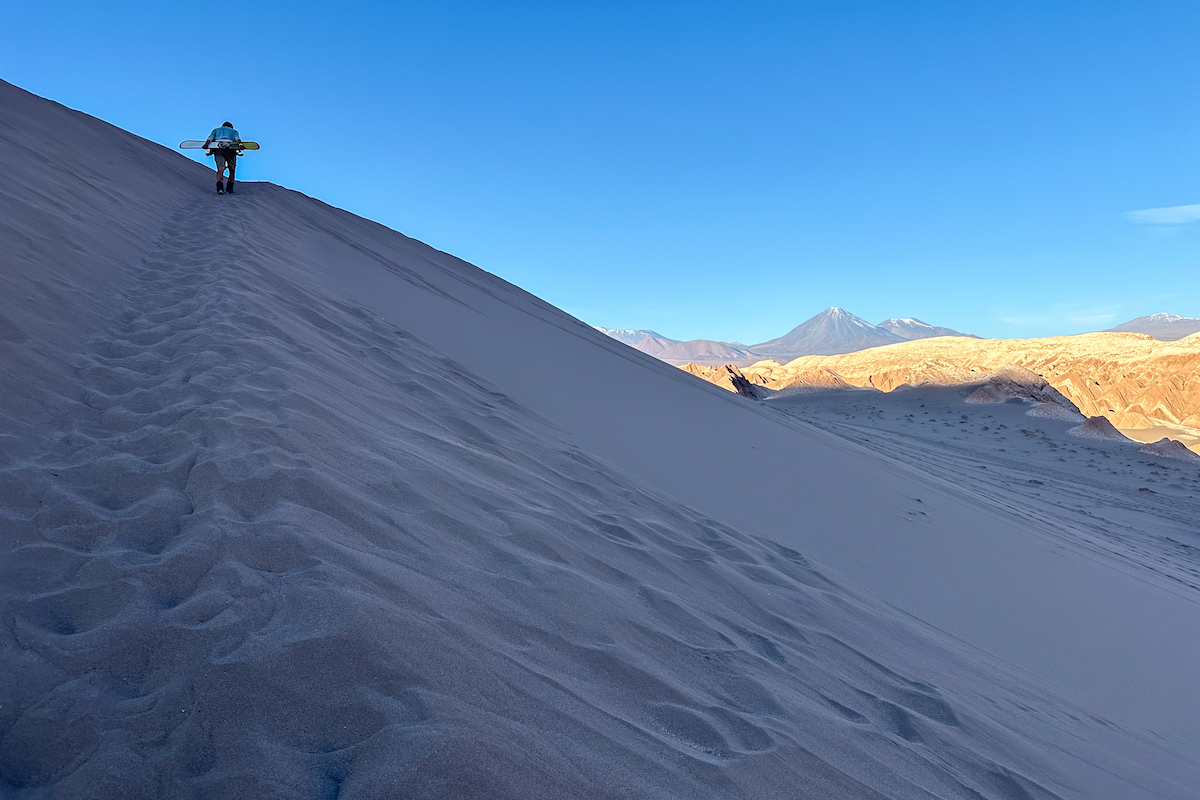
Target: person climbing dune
<point>226,157</point>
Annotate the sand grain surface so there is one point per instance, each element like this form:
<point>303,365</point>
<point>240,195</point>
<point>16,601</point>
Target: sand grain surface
<point>279,518</point>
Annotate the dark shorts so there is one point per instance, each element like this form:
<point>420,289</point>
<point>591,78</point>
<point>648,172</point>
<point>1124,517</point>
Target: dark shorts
<point>226,158</point>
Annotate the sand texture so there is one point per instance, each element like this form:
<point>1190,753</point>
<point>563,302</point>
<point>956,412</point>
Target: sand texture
<point>1169,448</point>
<point>294,506</point>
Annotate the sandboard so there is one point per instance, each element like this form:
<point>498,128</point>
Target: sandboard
<point>219,144</point>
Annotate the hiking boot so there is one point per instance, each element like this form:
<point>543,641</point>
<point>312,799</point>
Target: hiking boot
<point>220,188</point>
<point>229,186</point>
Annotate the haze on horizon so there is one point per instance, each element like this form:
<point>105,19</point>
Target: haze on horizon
<point>701,170</point>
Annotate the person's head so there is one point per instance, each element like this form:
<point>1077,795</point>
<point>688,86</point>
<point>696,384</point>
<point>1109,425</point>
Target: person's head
<point>226,124</point>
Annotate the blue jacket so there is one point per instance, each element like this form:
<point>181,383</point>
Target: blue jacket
<point>224,133</point>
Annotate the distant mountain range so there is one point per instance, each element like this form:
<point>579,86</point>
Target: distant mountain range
<point>832,332</point>
<point>912,328</point>
<point>630,336</point>
<point>1167,327</point>
<point>698,350</point>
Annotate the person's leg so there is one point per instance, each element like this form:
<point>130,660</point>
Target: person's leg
<point>231,161</point>
<point>221,163</point>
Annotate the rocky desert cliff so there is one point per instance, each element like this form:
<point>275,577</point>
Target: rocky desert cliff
<point>1132,379</point>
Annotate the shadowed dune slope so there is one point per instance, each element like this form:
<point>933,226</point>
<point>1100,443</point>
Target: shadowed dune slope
<point>281,517</point>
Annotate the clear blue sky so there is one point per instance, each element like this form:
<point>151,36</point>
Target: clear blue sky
<point>706,170</point>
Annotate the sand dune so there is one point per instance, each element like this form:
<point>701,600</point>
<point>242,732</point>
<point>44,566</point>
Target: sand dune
<point>1097,428</point>
<point>1169,448</point>
<point>286,512</point>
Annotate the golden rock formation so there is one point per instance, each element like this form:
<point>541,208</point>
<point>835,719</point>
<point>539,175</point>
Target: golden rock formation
<point>1133,380</point>
<point>731,378</point>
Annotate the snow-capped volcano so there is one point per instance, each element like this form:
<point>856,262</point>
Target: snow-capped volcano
<point>697,350</point>
<point>831,332</point>
<point>911,328</point>
<point>1167,327</point>
<point>632,337</point>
